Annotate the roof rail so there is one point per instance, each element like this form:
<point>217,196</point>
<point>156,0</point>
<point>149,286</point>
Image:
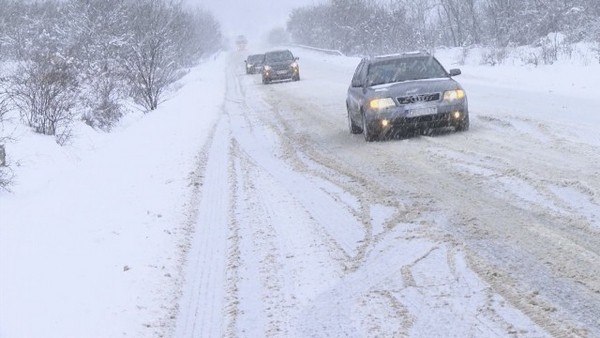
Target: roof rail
<point>416,52</point>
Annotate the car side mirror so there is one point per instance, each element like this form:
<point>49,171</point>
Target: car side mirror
<point>296,58</point>
<point>455,72</point>
<point>356,83</point>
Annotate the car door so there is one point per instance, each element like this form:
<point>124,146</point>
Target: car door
<point>355,91</point>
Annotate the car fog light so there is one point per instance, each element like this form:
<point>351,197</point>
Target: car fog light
<point>385,123</point>
<point>456,114</point>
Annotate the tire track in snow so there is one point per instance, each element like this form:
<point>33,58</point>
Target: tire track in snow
<point>566,265</point>
<point>274,234</point>
<point>202,306</point>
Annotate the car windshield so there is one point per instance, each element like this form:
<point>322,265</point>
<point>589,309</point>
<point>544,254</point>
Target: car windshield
<point>404,69</point>
<point>279,56</point>
<point>255,58</point>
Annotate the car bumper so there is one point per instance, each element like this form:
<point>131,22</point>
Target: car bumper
<point>280,74</point>
<point>398,119</point>
<point>253,69</point>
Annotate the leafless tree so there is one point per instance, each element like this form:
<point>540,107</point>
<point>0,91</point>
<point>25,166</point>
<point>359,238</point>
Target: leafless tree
<point>99,33</point>
<point>45,92</point>
<point>152,62</point>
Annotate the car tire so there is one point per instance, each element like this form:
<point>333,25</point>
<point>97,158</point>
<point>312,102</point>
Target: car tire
<point>354,129</point>
<point>296,78</point>
<point>369,135</point>
<point>463,125</point>
<point>266,81</point>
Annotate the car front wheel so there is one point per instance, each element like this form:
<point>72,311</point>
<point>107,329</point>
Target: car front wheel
<point>369,135</point>
<point>463,125</point>
<point>354,129</point>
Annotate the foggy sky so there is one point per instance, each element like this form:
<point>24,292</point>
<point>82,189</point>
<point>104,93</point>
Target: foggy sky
<point>252,18</point>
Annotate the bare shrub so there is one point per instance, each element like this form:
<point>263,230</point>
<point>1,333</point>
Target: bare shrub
<point>45,93</point>
<point>3,100</point>
<point>5,176</point>
<point>464,54</point>
<point>104,109</point>
<point>152,61</point>
<point>531,58</point>
<point>99,33</point>
<point>494,56</point>
<point>597,50</point>
<point>553,46</point>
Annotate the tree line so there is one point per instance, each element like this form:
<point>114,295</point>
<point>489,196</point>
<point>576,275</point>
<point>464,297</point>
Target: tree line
<point>86,58</point>
<point>367,26</point>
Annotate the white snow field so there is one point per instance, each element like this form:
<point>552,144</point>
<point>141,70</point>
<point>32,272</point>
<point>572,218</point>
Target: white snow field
<point>239,209</point>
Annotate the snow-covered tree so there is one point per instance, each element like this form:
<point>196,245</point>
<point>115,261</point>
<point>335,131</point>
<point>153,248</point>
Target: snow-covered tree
<point>45,91</point>
<point>98,33</point>
<point>100,52</point>
<point>160,47</point>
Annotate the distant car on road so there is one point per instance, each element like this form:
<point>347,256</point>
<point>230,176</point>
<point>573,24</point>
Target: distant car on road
<point>280,65</point>
<point>241,42</point>
<point>254,63</point>
<point>393,94</point>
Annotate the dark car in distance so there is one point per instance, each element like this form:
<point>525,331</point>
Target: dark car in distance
<point>254,63</point>
<point>394,94</point>
<point>280,65</point>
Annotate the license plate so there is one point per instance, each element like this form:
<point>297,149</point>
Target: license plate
<point>422,111</point>
<point>281,72</point>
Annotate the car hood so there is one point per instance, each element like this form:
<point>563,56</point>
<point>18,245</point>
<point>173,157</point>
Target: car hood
<point>414,87</point>
<point>279,64</point>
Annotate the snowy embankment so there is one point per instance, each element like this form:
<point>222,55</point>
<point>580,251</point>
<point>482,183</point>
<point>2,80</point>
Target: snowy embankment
<point>93,233</point>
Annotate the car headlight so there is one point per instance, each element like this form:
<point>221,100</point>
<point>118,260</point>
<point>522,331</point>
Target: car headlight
<point>381,103</point>
<point>248,65</point>
<point>267,68</point>
<point>294,65</point>
<point>451,95</point>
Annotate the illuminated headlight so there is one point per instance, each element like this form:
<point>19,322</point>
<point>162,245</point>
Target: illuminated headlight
<point>381,103</point>
<point>267,68</point>
<point>294,65</point>
<point>248,66</point>
<point>451,95</point>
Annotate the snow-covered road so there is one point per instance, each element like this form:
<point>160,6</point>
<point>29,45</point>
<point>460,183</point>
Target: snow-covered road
<point>308,231</point>
<point>238,209</point>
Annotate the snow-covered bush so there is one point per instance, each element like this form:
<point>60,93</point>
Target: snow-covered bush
<point>494,56</point>
<point>98,34</point>
<point>103,107</point>
<point>4,170</point>
<point>116,50</point>
<point>45,93</point>
<point>164,40</point>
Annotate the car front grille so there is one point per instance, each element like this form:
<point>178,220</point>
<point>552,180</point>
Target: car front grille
<point>281,67</point>
<point>433,121</point>
<point>419,98</point>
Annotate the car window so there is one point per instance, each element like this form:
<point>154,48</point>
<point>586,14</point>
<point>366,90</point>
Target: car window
<point>255,58</point>
<point>279,56</point>
<point>357,78</point>
<point>404,69</point>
